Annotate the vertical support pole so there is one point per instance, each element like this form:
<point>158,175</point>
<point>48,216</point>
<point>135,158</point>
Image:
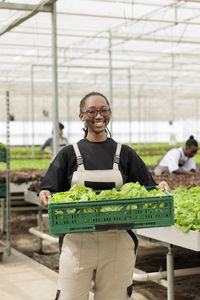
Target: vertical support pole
<point>8,201</point>
<point>197,117</point>
<point>172,140</point>
<point>175,15</point>
<point>110,77</point>
<point>39,223</point>
<point>54,81</point>
<point>129,107</point>
<point>32,111</point>
<point>172,91</point>
<point>139,121</point>
<point>2,203</point>
<point>170,274</point>
<point>68,109</point>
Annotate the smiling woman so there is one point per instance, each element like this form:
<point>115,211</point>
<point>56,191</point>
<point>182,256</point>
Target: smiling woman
<point>96,113</point>
<point>99,162</point>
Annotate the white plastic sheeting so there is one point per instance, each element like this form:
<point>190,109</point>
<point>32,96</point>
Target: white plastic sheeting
<point>156,43</point>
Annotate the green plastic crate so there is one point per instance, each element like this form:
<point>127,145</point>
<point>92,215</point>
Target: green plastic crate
<point>2,154</point>
<point>63,219</point>
<point>2,190</point>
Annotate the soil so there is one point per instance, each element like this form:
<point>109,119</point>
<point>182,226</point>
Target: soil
<point>35,176</point>
<point>150,258</point>
<point>23,175</point>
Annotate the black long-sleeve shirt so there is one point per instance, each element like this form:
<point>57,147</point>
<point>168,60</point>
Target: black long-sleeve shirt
<point>96,156</point>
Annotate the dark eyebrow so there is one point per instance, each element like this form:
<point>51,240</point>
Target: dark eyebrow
<point>92,107</point>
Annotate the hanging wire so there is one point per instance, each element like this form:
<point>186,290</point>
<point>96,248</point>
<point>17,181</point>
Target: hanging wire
<point>124,13</point>
<point>132,6</point>
<point>179,40</point>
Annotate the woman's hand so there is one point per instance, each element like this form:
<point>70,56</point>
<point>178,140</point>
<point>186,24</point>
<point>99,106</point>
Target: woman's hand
<point>43,198</point>
<point>163,186</point>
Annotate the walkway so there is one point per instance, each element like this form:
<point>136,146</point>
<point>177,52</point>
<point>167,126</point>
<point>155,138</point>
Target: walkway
<point>22,278</point>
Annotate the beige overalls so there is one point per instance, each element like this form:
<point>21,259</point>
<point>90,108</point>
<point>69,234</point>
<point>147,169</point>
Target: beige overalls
<point>109,253</point>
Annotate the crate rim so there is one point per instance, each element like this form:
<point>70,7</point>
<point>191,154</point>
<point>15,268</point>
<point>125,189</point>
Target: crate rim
<point>109,201</point>
<point>114,201</point>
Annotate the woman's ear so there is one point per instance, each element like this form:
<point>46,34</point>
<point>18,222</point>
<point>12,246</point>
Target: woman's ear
<point>82,117</point>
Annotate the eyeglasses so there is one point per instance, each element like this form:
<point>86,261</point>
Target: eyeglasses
<point>93,113</point>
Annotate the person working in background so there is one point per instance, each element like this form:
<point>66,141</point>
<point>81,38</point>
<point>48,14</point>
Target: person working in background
<point>99,162</point>
<point>179,160</point>
<point>48,144</point>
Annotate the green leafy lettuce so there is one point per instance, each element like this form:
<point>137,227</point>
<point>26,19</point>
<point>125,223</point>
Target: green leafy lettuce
<point>127,191</point>
<point>187,208</point>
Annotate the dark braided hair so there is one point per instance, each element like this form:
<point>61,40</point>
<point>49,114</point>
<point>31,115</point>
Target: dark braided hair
<point>191,142</point>
<point>82,104</point>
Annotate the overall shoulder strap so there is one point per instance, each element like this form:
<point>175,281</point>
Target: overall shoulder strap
<point>79,158</point>
<point>117,156</point>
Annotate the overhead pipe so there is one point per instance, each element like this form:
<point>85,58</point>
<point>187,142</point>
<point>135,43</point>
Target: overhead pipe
<point>163,274</point>
<point>43,235</point>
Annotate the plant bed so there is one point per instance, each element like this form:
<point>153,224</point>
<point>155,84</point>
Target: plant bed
<point>23,175</point>
<point>182,180</point>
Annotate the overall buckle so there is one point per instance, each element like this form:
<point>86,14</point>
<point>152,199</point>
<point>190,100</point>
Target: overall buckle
<point>116,159</point>
<point>79,160</point>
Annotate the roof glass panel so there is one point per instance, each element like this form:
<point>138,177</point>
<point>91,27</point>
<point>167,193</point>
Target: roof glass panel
<point>157,41</point>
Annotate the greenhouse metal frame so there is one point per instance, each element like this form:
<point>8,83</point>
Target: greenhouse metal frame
<point>142,54</point>
<point>130,50</point>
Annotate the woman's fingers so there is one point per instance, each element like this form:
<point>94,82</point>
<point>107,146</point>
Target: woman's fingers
<point>163,185</point>
<point>43,197</point>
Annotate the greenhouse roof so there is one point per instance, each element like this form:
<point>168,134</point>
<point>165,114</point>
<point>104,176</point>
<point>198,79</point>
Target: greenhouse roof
<point>154,43</point>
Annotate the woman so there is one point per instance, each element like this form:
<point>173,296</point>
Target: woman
<point>98,162</point>
<point>179,160</point>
